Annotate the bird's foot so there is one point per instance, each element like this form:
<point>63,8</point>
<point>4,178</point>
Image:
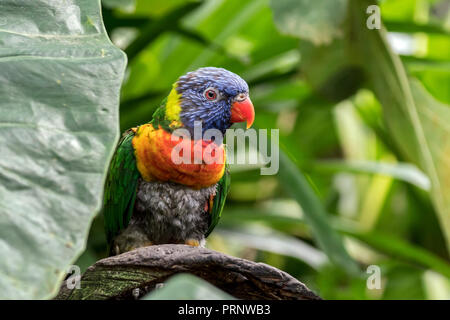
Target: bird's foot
<point>192,242</point>
<point>140,245</point>
<point>121,249</point>
<point>147,244</point>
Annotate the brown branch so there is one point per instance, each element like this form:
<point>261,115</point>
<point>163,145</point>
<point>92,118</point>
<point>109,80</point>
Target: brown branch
<point>143,268</point>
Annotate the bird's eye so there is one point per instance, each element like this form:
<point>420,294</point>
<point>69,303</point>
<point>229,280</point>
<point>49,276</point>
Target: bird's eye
<point>241,97</point>
<point>211,94</point>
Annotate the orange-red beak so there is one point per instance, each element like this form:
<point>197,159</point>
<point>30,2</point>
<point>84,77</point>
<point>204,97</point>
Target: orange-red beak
<point>243,111</point>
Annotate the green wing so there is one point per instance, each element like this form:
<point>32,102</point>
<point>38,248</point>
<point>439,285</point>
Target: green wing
<point>120,187</point>
<point>223,186</point>
<point>122,180</point>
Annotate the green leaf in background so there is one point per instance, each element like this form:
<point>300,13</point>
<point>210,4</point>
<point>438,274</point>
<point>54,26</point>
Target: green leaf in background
<point>392,246</point>
<point>330,70</point>
<point>59,91</point>
<point>296,185</point>
<point>401,171</point>
<point>277,242</point>
<point>418,123</point>
<point>187,287</point>
<point>156,8</point>
<point>401,249</point>
<point>154,28</point>
<point>127,5</point>
<point>317,21</point>
<point>415,120</point>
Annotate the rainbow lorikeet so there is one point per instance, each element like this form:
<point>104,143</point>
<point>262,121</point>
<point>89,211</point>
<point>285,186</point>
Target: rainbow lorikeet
<point>150,199</point>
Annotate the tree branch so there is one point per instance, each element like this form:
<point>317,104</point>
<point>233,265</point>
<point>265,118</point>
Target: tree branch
<point>143,268</point>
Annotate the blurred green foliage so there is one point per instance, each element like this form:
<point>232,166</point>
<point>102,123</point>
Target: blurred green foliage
<point>363,119</point>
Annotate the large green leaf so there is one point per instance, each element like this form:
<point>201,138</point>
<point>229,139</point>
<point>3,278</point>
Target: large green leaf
<point>59,90</point>
<point>417,122</point>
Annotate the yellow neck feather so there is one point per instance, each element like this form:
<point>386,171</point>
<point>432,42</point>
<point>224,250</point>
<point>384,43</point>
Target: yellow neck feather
<point>173,106</point>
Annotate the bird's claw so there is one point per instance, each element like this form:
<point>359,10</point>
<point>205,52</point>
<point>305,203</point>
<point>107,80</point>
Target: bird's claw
<point>192,242</point>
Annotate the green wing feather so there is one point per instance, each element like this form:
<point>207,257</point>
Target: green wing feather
<point>223,186</point>
<point>120,187</point>
<point>122,180</point>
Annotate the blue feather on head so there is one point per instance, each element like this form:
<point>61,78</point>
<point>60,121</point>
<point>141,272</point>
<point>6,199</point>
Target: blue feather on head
<point>207,95</point>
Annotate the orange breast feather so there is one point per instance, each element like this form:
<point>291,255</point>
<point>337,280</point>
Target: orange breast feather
<point>154,150</point>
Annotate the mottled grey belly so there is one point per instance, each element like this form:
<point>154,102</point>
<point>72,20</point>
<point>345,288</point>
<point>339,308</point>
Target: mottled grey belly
<point>171,213</point>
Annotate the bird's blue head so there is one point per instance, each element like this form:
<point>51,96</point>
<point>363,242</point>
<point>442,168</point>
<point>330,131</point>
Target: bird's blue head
<point>214,96</point>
